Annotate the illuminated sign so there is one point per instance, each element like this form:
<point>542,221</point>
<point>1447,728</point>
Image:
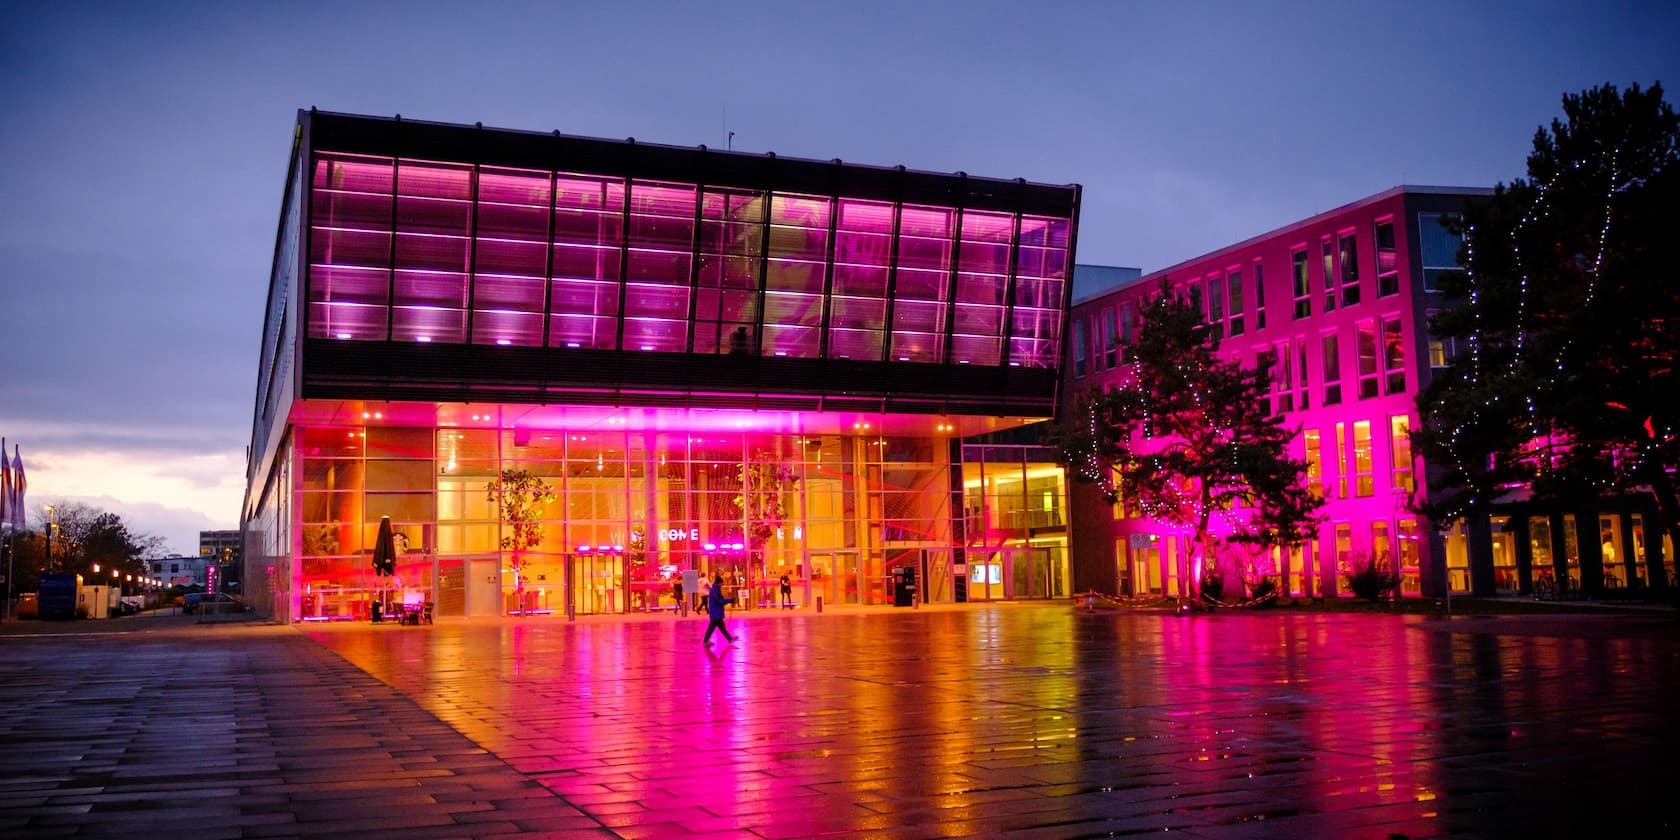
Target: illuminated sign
<point>672,535</point>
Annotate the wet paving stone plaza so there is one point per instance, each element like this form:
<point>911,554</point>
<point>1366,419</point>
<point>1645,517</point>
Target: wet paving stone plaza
<point>961,721</point>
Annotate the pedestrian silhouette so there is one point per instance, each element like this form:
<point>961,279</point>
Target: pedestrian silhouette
<point>715,602</point>
<point>787,593</point>
<point>738,342</point>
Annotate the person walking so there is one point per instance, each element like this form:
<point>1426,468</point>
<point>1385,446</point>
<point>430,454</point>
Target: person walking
<point>715,602</point>
<point>787,593</point>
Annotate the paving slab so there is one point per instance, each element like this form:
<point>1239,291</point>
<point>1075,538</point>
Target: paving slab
<point>1041,721</point>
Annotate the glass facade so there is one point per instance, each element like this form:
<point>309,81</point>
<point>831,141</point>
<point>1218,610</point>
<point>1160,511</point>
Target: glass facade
<point>631,510</point>
<point>432,251</point>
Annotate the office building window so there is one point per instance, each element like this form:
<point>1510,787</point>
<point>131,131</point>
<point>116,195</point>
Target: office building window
<point>1284,380</point>
<point>1341,461</point>
<point>1327,250</point>
<point>1388,262</point>
<point>1126,324</point>
<point>1111,347</point>
<point>1332,363</point>
<point>1216,306</point>
<point>1302,401</point>
<point>1315,462</point>
<point>1400,450</point>
<point>1079,347</point>
<point>1367,348</point>
<point>1363,483</point>
<point>1265,361</point>
<point>1438,245</point>
<point>1233,284</point>
<point>1347,255</point>
<point>1394,355</point>
<point>1303,292</point>
<point>1259,296</point>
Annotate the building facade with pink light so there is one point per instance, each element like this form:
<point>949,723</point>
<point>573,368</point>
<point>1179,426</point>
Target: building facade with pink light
<point>1337,306</point>
<point>719,362</point>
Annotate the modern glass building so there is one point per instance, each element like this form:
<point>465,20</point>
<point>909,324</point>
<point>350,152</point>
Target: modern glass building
<point>686,359</point>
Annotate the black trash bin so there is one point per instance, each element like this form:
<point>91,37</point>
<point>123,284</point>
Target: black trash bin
<point>904,586</point>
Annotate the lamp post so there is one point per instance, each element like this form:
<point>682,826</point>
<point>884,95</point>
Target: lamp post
<point>7,542</point>
<point>51,527</point>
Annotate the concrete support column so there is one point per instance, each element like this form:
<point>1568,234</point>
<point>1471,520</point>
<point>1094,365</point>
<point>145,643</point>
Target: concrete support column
<point>1525,554</point>
<point>1479,531</point>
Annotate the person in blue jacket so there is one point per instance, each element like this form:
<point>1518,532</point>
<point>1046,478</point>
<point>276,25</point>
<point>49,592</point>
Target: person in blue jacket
<point>715,602</point>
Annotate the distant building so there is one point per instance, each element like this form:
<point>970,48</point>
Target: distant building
<point>180,570</point>
<point>222,549</point>
<point>1090,281</point>
<point>1337,305</point>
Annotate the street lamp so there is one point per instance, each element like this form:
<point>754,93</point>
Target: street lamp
<point>51,527</point>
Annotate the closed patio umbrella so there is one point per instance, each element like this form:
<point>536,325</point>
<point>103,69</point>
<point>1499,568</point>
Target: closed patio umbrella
<point>384,558</point>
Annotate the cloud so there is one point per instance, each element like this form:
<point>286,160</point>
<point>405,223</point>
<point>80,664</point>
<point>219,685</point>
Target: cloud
<point>170,496</point>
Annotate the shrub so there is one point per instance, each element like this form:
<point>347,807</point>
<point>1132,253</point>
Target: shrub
<point>1372,581</point>
<point>1263,592</point>
<point>1213,586</point>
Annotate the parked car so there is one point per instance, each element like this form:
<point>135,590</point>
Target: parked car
<point>221,602</point>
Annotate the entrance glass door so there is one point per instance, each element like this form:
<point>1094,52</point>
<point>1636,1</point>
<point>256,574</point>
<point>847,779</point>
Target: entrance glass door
<point>835,575</point>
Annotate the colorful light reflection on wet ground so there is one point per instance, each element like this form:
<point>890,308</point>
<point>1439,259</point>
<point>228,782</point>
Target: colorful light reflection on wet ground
<point>983,719</point>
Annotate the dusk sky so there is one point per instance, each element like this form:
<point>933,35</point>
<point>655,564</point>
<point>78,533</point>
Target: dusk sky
<point>146,147</point>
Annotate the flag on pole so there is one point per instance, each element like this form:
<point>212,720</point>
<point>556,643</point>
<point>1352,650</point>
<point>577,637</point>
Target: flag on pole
<point>19,485</point>
<point>5,485</point>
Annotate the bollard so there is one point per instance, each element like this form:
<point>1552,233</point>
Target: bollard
<point>819,603</point>
<point>1091,601</point>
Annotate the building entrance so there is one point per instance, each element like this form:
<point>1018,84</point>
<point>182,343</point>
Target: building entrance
<point>484,587</point>
<point>836,575</point>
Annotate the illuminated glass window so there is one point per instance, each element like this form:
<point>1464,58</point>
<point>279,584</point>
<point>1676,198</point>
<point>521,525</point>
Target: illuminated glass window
<point>1380,549</point>
<point>1407,532</point>
<point>588,246</point>
<point>1216,306</point>
<point>1388,261</point>
<point>433,251</point>
<point>1327,252</point>
<point>510,256</point>
<point>794,275</point>
<point>1041,271</point>
<point>1266,362</point>
<point>982,277</point>
<point>1259,296</point>
<point>1315,462</point>
<point>1302,398</point>
<point>1347,254</point>
<point>1341,461</point>
<point>350,247</point>
<point>1126,323</point>
<point>1234,295</point>
<point>1364,485</point>
<point>862,252</point>
<point>1394,355</point>
<point>1303,291</point>
<point>727,298</point>
<point>919,291</point>
<point>1332,365</point>
<point>1283,381</point>
<point>1367,348</point>
<point>1400,449</point>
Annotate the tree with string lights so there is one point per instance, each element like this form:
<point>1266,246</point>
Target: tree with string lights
<point>1190,437</point>
<point>1569,316</point>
